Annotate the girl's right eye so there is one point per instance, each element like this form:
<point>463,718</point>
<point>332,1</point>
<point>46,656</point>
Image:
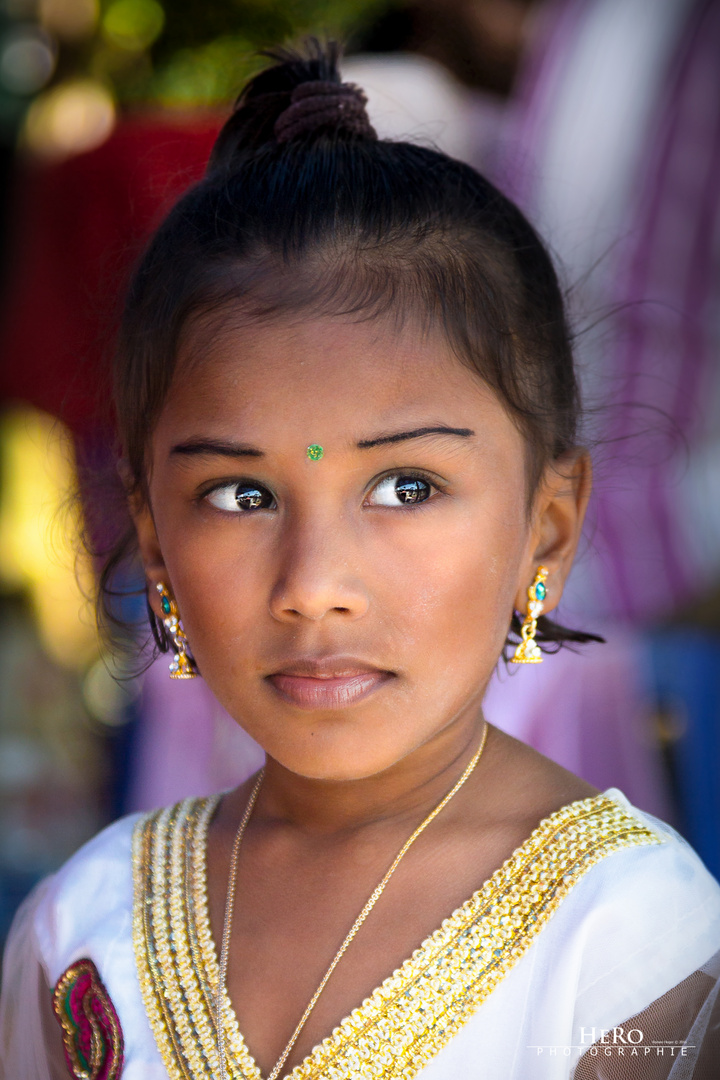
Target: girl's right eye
<point>240,498</point>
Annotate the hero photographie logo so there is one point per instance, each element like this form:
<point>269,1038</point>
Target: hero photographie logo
<point>614,1042</point>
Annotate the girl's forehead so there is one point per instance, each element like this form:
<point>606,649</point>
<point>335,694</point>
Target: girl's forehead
<point>324,362</point>
<point>276,390</point>
<point>324,381</point>
<point>341,384</point>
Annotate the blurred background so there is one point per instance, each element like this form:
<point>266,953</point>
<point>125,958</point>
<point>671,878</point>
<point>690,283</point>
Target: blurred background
<point>602,119</point>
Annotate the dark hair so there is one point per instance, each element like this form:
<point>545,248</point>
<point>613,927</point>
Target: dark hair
<point>378,227</point>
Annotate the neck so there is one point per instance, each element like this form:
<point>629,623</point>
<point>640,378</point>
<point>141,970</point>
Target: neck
<point>407,788</point>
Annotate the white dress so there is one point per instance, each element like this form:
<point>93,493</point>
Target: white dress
<point>603,920</point>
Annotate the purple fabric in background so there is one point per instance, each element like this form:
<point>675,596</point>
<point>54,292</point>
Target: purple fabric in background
<point>187,744</point>
<point>667,351</point>
<point>590,713</point>
<point>516,162</point>
<point>653,363</point>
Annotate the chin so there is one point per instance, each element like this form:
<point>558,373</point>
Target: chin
<point>334,757</point>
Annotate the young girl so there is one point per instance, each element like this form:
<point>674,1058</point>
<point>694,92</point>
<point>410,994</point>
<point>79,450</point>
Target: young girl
<point>346,398</point>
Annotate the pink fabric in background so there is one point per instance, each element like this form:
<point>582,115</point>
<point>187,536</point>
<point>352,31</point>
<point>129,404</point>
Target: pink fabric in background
<point>187,744</point>
<point>590,712</point>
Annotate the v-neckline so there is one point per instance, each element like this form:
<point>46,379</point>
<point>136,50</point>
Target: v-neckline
<point>411,1015</point>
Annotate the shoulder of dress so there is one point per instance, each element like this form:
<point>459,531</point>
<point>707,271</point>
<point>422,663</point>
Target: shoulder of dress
<point>107,850</point>
<point>650,892</point>
<point>638,924</point>
<point>668,869</point>
<point>90,890</point>
<point>606,859</point>
<point>90,898</point>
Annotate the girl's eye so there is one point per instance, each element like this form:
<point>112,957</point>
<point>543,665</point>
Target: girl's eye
<point>240,497</point>
<point>400,490</point>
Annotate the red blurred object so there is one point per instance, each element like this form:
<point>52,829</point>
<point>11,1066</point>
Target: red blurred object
<point>76,229</point>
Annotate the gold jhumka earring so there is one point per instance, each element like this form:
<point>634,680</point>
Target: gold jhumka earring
<point>528,651</point>
<point>183,665</point>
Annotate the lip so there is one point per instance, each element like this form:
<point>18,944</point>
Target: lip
<point>331,682</point>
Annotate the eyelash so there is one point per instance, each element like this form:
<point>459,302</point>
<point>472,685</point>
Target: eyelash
<point>396,474</point>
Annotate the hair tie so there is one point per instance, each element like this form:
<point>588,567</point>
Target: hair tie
<point>324,104</point>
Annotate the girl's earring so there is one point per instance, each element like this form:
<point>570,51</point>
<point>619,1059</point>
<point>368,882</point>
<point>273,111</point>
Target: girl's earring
<point>528,651</point>
<point>183,665</point>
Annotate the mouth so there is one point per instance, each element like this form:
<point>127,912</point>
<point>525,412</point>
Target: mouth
<point>329,683</point>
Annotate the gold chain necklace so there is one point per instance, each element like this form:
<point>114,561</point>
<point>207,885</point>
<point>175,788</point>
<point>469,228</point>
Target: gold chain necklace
<point>374,897</point>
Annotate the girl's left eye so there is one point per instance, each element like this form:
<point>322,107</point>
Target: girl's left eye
<point>240,498</point>
<point>399,490</point>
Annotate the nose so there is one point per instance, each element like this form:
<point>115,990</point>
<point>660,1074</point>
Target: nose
<point>317,575</point>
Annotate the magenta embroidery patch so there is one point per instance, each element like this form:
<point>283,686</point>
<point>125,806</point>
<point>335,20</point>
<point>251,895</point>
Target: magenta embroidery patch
<point>92,1037</point>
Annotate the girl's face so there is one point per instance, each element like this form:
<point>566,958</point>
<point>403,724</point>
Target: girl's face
<point>345,610</point>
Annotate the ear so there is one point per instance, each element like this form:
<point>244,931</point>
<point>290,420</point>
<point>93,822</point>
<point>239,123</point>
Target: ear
<point>557,520</point>
<point>148,544</point>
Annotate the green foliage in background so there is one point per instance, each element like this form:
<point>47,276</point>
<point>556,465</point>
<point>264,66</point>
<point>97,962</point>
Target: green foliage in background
<point>199,52</point>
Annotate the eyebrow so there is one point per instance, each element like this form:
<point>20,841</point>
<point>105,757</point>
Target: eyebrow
<point>216,447</point>
<point>416,433</point>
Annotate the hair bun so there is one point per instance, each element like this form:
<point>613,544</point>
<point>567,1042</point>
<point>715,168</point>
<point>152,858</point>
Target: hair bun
<point>300,94</point>
<point>322,104</point>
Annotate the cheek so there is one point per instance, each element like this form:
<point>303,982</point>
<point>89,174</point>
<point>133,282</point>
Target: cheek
<point>221,582</point>
<point>459,589</point>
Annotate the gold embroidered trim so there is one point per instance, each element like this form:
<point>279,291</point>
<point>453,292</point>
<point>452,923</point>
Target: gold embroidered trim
<point>416,1011</point>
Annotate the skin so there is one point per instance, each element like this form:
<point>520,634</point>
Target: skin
<point>421,593</point>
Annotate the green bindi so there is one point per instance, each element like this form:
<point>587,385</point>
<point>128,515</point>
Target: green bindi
<point>314,452</point>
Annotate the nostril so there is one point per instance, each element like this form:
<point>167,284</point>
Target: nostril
<point>292,602</point>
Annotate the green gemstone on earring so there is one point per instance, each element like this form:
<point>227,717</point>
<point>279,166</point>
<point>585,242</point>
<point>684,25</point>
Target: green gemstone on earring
<point>165,605</point>
<point>314,452</point>
<point>540,591</point>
